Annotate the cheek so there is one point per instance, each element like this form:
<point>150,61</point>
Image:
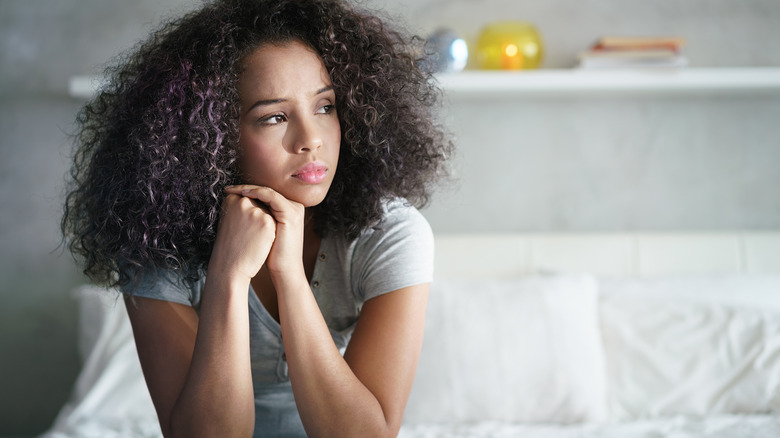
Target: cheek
<point>253,157</point>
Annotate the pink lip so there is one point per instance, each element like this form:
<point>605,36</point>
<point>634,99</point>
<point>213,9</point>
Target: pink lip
<point>312,173</point>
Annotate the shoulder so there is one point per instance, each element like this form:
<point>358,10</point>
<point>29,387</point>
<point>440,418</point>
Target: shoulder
<point>399,215</point>
<point>396,252</point>
<point>165,285</point>
<point>401,223</point>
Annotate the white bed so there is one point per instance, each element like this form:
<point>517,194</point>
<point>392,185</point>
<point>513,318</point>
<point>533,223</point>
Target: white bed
<point>554,335</point>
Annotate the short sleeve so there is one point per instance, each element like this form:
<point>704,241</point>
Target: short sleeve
<point>162,285</point>
<point>396,253</point>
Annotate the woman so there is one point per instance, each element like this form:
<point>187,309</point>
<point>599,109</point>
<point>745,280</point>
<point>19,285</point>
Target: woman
<point>248,179</point>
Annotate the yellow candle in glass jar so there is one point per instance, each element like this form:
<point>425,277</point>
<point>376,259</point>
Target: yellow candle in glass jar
<point>509,45</point>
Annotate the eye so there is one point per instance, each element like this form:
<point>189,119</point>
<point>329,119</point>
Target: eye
<point>273,119</point>
<point>327,109</point>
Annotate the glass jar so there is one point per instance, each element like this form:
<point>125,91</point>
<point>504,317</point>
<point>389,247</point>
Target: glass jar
<point>509,45</point>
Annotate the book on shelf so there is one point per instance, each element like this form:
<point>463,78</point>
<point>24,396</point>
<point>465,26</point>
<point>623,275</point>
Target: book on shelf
<point>634,52</point>
<point>639,43</point>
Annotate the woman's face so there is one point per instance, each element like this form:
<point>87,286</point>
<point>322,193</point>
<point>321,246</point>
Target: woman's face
<point>289,130</point>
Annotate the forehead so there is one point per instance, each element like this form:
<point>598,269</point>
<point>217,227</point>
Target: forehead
<point>279,70</point>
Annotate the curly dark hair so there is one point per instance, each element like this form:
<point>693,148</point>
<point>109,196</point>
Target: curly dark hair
<point>159,143</point>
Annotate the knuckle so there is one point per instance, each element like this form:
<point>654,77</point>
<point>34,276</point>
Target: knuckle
<point>227,204</point>
<point>229,199</point>
<point>246,203</point>
<point>267,220</point>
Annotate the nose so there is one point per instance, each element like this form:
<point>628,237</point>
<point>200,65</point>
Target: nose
<point>307,136</point>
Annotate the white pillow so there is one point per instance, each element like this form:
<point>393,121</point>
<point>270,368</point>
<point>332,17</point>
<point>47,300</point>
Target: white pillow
<point>110,398</point>
<point>671,350</point>
<point>525,350</point>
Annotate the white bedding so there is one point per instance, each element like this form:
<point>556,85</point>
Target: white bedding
<point>515,351</point>
<point>109,399</point>
<point>669,352</point>
<point>725,426</point>
<point>551,319</point>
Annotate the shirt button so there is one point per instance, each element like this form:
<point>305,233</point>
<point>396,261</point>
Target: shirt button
<point>323,256</point>
<point>316,284</point>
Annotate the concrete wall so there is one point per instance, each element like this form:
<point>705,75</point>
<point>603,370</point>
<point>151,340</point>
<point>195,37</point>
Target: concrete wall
<point>524,165</point>
<point>42,44</point>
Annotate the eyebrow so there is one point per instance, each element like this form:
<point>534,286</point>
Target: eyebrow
<point>273,101</point>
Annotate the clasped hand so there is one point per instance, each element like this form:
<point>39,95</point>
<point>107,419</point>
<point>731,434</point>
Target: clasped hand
<point>259,226</point>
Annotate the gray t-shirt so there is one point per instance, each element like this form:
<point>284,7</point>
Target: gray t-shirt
<point>395,253</point>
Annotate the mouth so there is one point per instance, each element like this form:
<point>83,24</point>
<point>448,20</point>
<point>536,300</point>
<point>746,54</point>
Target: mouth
<point>312,173</point>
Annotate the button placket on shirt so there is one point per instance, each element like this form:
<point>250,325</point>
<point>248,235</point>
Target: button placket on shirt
<point>322,257</point>
<point>281,367</point>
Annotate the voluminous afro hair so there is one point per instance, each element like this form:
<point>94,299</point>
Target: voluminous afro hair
<point>159,143</point>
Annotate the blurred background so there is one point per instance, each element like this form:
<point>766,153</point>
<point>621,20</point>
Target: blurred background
<point>689,161</point>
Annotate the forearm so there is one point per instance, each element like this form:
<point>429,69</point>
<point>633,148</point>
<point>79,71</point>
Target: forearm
<point>331,400</point>
<point>217,398</point>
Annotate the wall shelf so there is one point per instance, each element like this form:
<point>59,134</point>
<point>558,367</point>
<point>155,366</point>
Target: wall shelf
<point>567,82</point>
<point>83,87</point>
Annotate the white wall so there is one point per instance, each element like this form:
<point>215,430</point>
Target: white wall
<point>719,32</point>
<point>43,43</point>
<point>525,165</point>
<point>595,164</point>
<point>601,163</point>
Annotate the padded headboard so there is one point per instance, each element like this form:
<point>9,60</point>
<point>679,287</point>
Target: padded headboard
<point>609,254</point>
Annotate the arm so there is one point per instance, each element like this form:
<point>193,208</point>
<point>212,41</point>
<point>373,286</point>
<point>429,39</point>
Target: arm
<point>363,393</point>
<point>198,370</point>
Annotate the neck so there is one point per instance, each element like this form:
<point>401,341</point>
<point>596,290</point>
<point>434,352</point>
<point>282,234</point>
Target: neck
<point>308,224</point>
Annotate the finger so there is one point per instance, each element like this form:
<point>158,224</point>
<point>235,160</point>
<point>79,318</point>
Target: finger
<point>267,196</point>
<point>261,205</point>
<point>230,199</point>
<point>239,202</point>
<point>238,188</point>
<point>251,191</point>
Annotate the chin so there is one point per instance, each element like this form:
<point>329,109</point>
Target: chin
<point>313,203</point>
<point>309,199</point>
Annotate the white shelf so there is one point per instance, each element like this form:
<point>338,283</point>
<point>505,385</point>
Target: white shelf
<point>83,87</point>
<point>506,84</point>
<point>497,84</point>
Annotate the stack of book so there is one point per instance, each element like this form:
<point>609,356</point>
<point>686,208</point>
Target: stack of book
<point>634,52</point>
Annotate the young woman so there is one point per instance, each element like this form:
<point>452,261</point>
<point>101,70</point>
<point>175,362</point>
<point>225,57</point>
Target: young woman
<point>249,179</point>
